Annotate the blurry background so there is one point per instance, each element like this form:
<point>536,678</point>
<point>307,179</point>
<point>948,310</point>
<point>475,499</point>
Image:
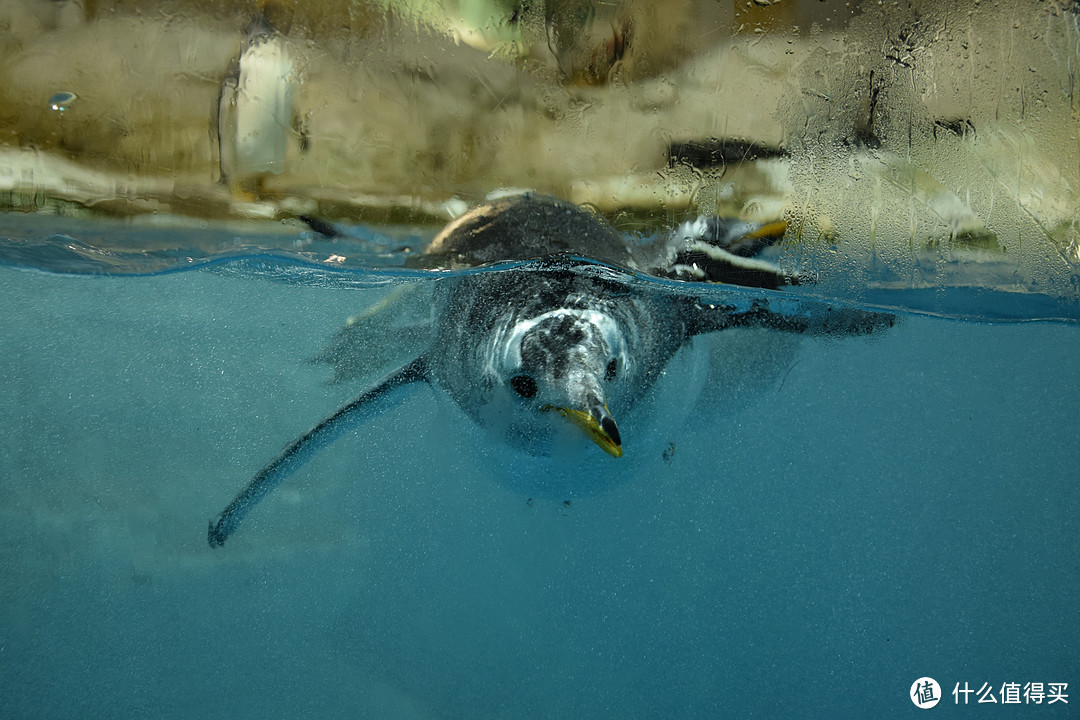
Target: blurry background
<point>880,131</point>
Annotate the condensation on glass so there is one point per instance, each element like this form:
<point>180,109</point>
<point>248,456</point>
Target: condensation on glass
<point>892,137</point>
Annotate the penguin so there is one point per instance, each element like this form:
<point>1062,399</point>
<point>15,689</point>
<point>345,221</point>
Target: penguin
<point>253,118</point>
<point>564,336</point>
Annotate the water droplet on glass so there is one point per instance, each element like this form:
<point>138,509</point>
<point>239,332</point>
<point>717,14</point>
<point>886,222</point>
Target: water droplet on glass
<point>61,100</point>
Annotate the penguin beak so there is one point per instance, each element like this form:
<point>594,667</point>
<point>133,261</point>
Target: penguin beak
<point>600,427</point>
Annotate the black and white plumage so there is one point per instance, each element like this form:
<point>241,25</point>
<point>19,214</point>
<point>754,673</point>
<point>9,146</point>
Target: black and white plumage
<point>566,337</point>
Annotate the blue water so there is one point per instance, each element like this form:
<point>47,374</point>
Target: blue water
<point>839,517</point>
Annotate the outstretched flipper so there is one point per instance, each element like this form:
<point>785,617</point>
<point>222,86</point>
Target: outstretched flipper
<point>365,407</point>
<point>788,314</point>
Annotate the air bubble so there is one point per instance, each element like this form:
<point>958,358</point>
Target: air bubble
<point>62,100</point>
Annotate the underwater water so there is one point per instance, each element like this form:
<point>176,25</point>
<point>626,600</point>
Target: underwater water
<point>831,520</point>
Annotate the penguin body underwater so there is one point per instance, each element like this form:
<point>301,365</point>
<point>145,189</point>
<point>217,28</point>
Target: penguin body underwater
<point>563,337</point>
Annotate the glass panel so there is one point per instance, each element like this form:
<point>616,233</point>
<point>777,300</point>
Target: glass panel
<point>564,358</point>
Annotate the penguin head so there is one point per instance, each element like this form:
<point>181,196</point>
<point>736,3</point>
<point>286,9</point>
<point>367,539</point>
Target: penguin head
<point>567,363</point>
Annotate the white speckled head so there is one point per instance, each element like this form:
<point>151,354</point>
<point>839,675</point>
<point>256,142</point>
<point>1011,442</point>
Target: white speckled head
<point>564,362</point>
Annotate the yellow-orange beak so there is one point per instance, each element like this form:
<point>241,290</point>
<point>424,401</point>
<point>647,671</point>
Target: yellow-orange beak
<point>602,432</point>
<point>769,230</point>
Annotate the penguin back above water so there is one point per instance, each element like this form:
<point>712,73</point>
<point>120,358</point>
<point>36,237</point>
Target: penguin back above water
<point>524,227</point>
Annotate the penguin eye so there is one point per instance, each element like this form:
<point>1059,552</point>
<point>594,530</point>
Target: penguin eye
<point>524,386</point>
<point>612,368</point>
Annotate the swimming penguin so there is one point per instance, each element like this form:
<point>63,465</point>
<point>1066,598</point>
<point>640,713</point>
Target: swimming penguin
<point>565,337</point>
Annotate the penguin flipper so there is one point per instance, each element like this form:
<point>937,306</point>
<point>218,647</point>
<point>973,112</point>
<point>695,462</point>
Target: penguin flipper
<point>364,407</point>
<point>790,315</point>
